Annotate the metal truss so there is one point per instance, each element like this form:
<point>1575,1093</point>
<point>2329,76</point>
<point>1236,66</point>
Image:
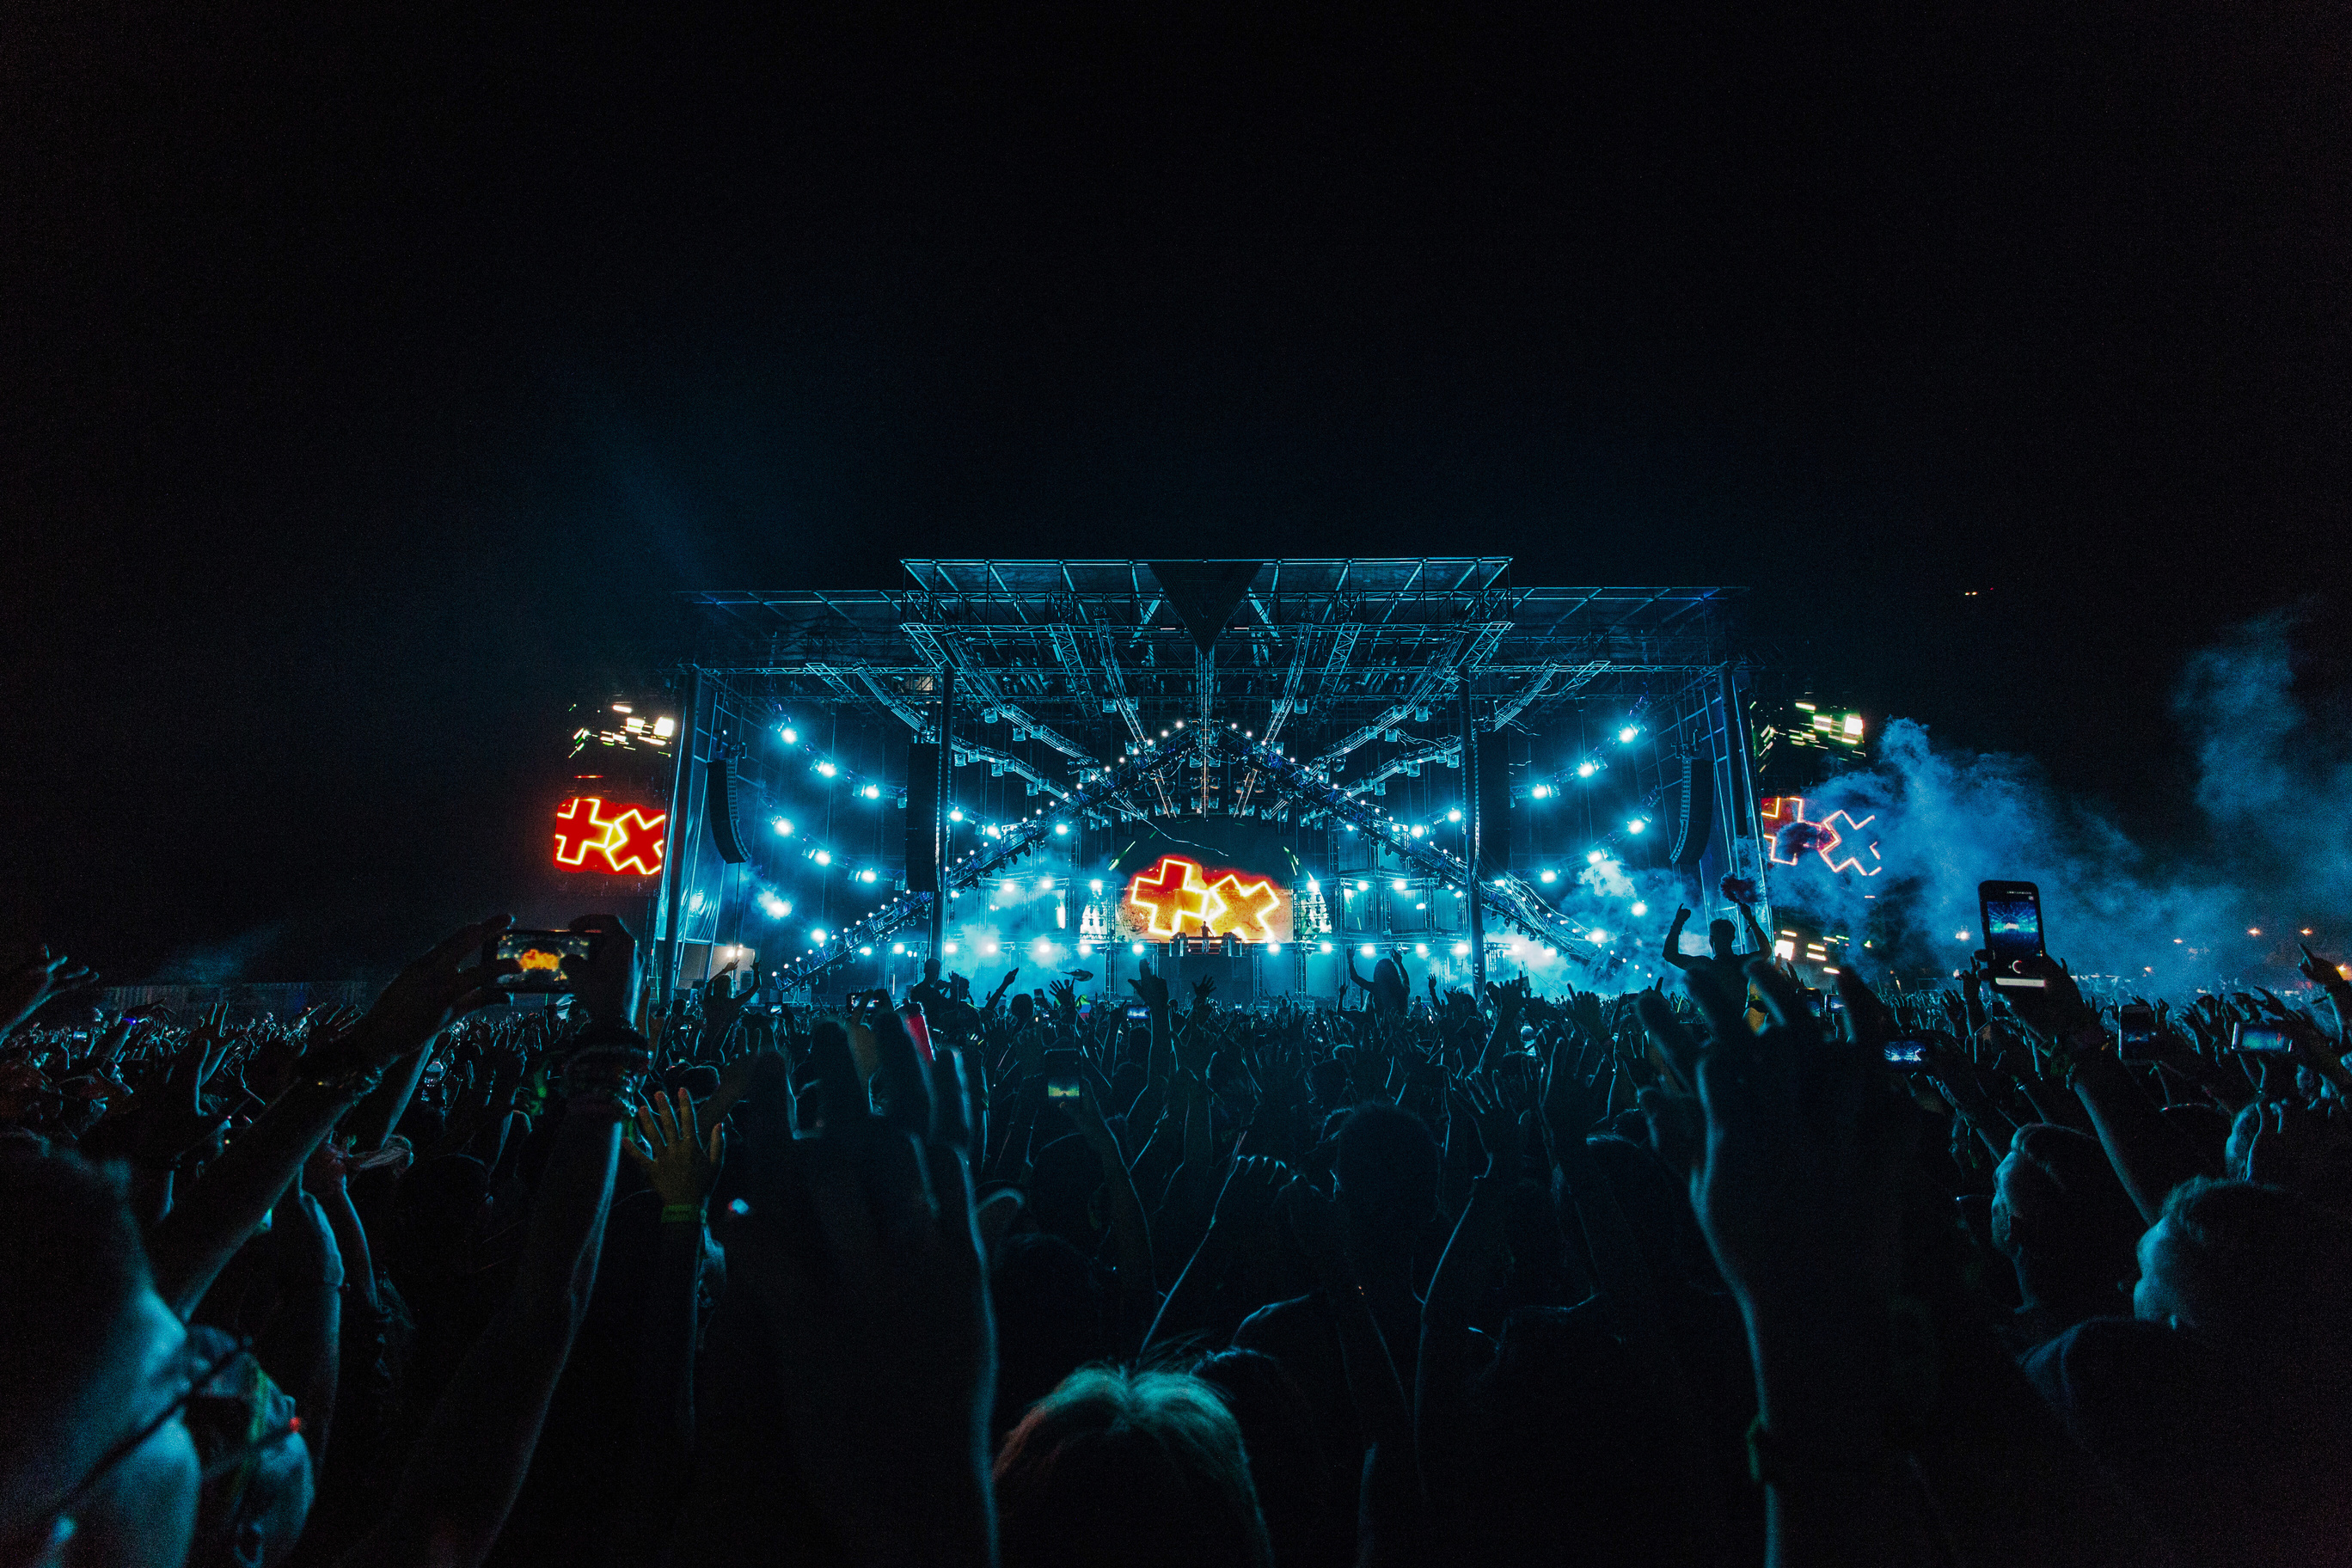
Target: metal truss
<point>1507,897</point>
<point>1084,659</point>
<point>1106,793</point>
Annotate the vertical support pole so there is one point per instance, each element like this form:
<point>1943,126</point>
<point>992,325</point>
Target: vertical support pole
<point>1747,809</point>
<point>939,808</point>
<point>682,761</point>
<point>1473,846</point>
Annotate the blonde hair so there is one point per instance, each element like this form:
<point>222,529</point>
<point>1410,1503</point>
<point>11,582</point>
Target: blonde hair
<point>1124,1467</point>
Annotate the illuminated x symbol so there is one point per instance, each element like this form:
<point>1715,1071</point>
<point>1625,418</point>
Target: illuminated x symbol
<point>1849,857</point>
<point>1248,907</point>
<point>1171,894</point>
<point>628,840</point>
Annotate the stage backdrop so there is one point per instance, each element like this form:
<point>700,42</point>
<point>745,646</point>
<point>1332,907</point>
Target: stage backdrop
<point>1213,878</point>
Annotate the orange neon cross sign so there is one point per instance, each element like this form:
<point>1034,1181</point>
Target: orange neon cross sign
<point>622,839</point>
<point>1177,898</point>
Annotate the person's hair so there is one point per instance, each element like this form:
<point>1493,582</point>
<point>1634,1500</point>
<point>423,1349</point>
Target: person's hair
<point>71,1265</point>
<point>2260,1261</point>
<point>1387,1162</point>
<point>1113,1467</point>
<point>2077,1212</point>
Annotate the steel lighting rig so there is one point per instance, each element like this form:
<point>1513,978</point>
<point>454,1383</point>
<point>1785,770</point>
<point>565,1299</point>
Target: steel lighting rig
<point>1288,691</point>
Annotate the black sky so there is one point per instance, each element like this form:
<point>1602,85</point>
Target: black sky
<point>374,377</point>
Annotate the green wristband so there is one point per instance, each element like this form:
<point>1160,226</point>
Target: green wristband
<point>681,1214</point>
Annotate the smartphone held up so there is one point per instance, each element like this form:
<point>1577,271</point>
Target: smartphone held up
<point>2010,913</point>
<point>539,956</point>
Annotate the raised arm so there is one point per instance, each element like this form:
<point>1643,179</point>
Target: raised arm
<point>1673,951</point>
<point>206,1227</point>
<point>467,1468</point>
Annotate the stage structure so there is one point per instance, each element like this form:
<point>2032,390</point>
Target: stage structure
<point>1252,771</point>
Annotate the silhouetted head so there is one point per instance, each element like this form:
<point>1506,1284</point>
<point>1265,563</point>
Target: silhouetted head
<point>2057,1205</point>
<point>1723,937</point>
<point>2251,1263</point>
<point>1144,1469</point>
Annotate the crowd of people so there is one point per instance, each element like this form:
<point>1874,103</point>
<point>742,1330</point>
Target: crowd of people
<point>1712,1275</point>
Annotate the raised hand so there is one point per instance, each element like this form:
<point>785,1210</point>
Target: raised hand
<point>1203,989</point>
<point>1796,1190</point>
<point>2321,972</point>
<point>176,1122</point>
<point>669,1148</point>
<point>1247,1201</point>
<point>26,988</point>
<point>1065,996</point>
<point>862,1251</point>
<point>1149,988</point>
<point>1495,1124</point>
<point>451,980</point>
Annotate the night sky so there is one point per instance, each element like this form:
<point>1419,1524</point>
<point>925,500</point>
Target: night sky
<point>374,378</point>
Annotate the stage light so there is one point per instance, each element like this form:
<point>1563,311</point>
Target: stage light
<point>1137,949</point>
<point>1542,791</point>
<point>1963,936</point>
<point>783,826</point>
<point>1853,723</point>
<point>1416,830</point>
<point>1595,857</point>
<point>1274,947</point>
<point>1586,770</point>
<point>1596,936</point>
<point>2254,930</point>
<point>1326,947</point>
<point>1784,948</point>
<point>824,856</point>
<point>665,728</point>
<point>956,816</point>
<point>623,708</point>
<point>1420,949</point>
<point>792,737</point>
<point>1179,725</point>
<point>1363,887</point>
<point>1626,736</point>
<point>1399,884</point>
<point>1044,884</point>
<point>1095,886</point>
<point>951,947</point>
<point>1453,816</point>
<point>816,936</point>
<point>1062,829</point>
<point>827,769</point>
<point>897,947</point>
<point>1368,950</point>
<point>872,792</point>
<point>865,953</point>
<point>1636,826</point>
<point>776,908</point>
<point>1641,909</point>
<point>867,875</point>
<point>1085,949</point>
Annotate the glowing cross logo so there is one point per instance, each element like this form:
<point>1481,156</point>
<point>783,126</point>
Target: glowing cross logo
<point>624,840</point>
<point>1171,895</point>
<point>1177,898</point>
<point>1247,908</point>
<point>1841,848</point>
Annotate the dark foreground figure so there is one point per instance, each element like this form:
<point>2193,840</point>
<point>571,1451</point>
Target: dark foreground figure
<point>1565,1281</point>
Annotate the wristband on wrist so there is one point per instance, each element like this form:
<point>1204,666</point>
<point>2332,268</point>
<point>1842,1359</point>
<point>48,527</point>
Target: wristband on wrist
<point>681,1214</point>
